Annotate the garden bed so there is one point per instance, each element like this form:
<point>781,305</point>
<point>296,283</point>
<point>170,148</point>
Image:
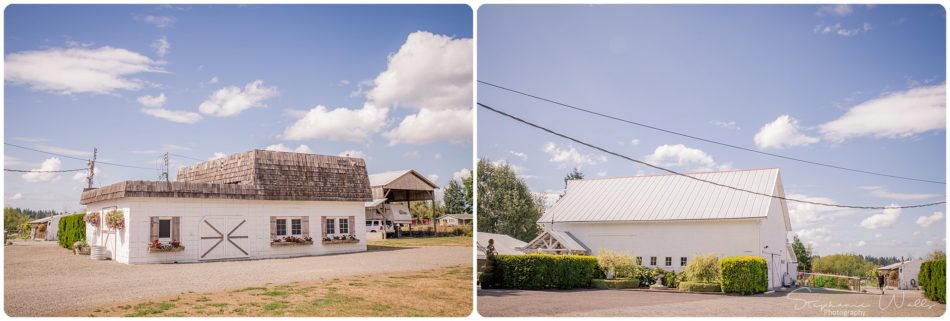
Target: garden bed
<point>340,241</point>
<point>615,283</point>
<point>291,243</point>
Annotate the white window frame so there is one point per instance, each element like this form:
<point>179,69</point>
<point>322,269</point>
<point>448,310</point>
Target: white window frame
<point>288,223</point>
<point>668,261</point>
<point>653,261</point>
<point>168,239</point>
<point>683,261</point>
<point>337,231</point>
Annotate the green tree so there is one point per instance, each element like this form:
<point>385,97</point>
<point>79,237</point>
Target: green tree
<point>13,219</point>
<point>505,204</point>
<point>937,255</point>
<point>842,264</point>
<point>802,254</point>
<point>574,174</point>
<point>455,199</point>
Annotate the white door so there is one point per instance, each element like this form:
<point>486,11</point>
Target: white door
<point>223,237</point>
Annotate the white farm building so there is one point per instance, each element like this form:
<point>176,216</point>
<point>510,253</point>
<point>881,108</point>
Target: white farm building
<point>665,220</point>
<point>243,206</point>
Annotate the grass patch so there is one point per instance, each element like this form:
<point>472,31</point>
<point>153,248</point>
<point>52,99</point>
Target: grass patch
<point>202,299</point>
<point>276,293</point>
<point>276,305</point>
<point>465,241</point>
<point>253,288</point>
<point>150,308</point>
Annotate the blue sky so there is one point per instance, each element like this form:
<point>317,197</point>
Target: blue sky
<point>392,84</point>
<point>856,86</point>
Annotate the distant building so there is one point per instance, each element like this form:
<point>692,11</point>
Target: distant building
<point>907,272</point>
<point>665,220</point>
<point>504,244</point>
<point>237,207</point>
<point>455,219</point>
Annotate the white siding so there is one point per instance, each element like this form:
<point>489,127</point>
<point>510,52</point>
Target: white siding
<point>134,239</point>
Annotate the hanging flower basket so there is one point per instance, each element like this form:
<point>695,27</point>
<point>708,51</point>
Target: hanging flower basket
<point>115,220</point>
<point>91,218</point>
<point>173,246</point>
<point>291,241</point>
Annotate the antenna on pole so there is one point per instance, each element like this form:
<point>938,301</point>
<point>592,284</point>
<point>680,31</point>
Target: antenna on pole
<point>164,175</point>
<point>92,168</point>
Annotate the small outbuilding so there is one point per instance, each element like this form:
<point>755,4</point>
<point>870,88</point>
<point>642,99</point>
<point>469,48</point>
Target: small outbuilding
<point>45,229</point>
<point>393,195</point>
<point>907,272</point>
<point>504,244</point>
<point>251,205</point>
<point>455,219</point>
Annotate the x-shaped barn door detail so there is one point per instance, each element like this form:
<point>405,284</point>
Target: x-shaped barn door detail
<point>221,237</point>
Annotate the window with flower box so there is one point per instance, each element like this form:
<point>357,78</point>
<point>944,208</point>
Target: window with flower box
<point>289,230</point>
<point>339,229</point>
<point>165,234</point>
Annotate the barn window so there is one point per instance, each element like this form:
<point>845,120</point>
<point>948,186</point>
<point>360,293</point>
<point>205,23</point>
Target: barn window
<point>344,226</point>
<point>281,227</point>
<point>639,260</point>
<point>164,228</point>
<point>652,260</point>
<point>295,226</point>
<point>669,261</point>
<point>330,229</point>
<point>683,261</point>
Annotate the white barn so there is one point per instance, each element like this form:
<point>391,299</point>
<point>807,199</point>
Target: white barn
<point>235,208</point>
<point>665,220</point>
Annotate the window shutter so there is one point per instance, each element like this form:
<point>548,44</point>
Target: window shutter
<point>154,229</point>
<point>352,227</point>
<point>273,227</point>
<point>305,226</point>
<point>176,228</point>
<point>323,224</point>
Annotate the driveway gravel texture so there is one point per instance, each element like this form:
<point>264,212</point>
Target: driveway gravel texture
<point>40,278</point>
<point>640,303</point>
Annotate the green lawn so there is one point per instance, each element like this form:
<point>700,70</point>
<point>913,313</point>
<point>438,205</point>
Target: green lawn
<point>422,241</point>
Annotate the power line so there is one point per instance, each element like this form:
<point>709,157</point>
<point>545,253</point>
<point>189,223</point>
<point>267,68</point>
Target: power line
<point>76,158</point>
<point>704,139</point>
<point>692,177</point>
<point>39,171</point>
<point>188,157</point>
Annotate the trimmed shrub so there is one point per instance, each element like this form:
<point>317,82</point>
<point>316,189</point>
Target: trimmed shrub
<point>689,286</point>
<point>621,265</point>
<point>671,279</point>
<point>615,283</point>
<point>544,271</point>
<point>933,279</point>
<point>72,229</point>
<point>744,274</point>
<point>703,269</point>
<point>824,281</point>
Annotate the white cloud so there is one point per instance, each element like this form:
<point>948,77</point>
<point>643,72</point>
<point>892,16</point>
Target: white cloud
<point>895,115</point>
<point>681,156</point>
<point>281,148</point>
<point>516,168</point>
<point>411,154</point>
<point>601,173</point>
<point>433,177</point>
<point>356,125</point>
<point>12,161</point>
<point>437,156</point>
<point>521,155</point>
<point>344,82</point>
<point>152,101</point>
<point>16,196</point>
<point>160,22</point>
<point>883,220</point>
<point>178,116</point>
<point>782,133</point>
<point>570,156</point>
<point>78,70</point>
<point>815,236</point>
<point>432,125</point>
<point>927,221</point>
<point>878,235</point>
<point>915,233</point>
<point>218,155</point>
<point>432,73</point>
<point>725,124</point>
<point>214,80</point>
<point>804,214</point>
<point>548,197</point>
<point>352,153</point>
<point>635,142</point>
<point>232,100</point>
<point>861,244</point>
<point>838,29</point>
<point>161,46</point>
<point>462,174</point>
<point>936,241</point>
<point>880,192</point>
<point>840,10</point>
<point>81,176</point>
<point>42,175</point>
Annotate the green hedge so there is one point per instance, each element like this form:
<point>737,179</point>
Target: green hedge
<point>544,271</point>
<point>686,286</point>
<point>933,279</point>
<point>824,281</point>
<point>71,230</point>
<point>744,274</point>
<point>615,283</point>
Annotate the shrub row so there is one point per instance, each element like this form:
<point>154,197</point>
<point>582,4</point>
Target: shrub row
<point>615,283</point>
<point>743,274</point>
<point>933,279</point>
<point>72,229</point>
<point>824,281</point>
<point>543,271</point>
<point>687,286</point>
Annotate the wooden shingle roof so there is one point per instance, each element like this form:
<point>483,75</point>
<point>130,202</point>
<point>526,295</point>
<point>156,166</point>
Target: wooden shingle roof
<point>255,175</point>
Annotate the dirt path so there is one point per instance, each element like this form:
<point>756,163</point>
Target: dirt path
<point>41,279</point>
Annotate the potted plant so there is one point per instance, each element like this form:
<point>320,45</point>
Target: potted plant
<point>115,220</point>
<point>173,246</point>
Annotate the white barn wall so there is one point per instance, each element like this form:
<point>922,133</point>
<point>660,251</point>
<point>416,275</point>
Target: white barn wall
<point>774,234</point>
<point>133,241</point>
<point>668,238</point>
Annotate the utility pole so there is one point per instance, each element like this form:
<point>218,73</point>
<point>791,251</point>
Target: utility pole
<point>92,168</point>
<point>164,168</point>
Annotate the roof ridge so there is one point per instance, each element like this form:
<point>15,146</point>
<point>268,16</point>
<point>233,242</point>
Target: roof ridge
<point>668,174</point>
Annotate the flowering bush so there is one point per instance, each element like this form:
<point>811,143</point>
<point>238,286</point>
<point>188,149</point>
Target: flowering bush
<point>308,239</point>
<point>91,218</point>
<point>292,239</point>
<point>155,245</point>
<point>115,220</point>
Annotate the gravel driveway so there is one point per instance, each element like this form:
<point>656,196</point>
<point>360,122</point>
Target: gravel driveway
<point>41,278</point>
<point>636,303</point>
